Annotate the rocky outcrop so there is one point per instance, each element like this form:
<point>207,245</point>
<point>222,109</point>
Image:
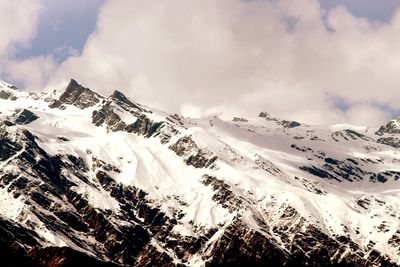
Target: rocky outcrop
<point>187,148</point>
<point>8,147</point>
<point>290,124</point>
<point>106,115</point>
<point>392,127</point>
<point>141,126</point>
<point>140,234</point>
<point>121,100</point>
<point>241,246</point>
<point>223,194</point>
<point>238,119</point>
<point>283,123</point>
<point>64,257</point>
<point>267,116</point>
<point>7,95</point>
<point>153,257</point>
<point>25,117</point>
<point>144,126</point>
<point>77,95</point>
<point>390,141</point>
<point>237,208</point>
<point>20,247</point>
<point>348,135</point>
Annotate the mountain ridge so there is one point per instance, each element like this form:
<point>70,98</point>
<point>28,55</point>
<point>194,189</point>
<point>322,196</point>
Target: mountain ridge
<point>130,185</point>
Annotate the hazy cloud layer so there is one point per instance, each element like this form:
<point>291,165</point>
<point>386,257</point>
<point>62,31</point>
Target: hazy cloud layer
<point>17,24</point>
<point>290,58</point>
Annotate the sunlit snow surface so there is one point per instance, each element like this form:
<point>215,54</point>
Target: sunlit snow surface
<point>240,146</point>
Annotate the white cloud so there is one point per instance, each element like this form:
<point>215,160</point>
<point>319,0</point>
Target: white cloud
<point>17,23</point>
<point>191,111</point>
<point>35,71</point>
<point>366,115</point>
<point>241,57</point>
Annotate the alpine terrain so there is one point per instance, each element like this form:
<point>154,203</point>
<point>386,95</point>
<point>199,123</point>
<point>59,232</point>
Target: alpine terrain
<point>93,180</point>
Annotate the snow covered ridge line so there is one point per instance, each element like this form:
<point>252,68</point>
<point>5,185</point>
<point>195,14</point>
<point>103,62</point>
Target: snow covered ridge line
<point>107,181</point>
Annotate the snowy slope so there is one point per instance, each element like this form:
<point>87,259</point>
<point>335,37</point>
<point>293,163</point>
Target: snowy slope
<point>141,186</point>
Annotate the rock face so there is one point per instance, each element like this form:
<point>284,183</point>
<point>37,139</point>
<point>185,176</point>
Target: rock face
<point>120,184</point>
<point>7,95</point>
<point>121,100</point>
<point>77,95</point>
<point>389,134</point>
<point>284,123</point>
<point>25,117</point>
<point>187,148</point>
<point>106,115</point>
<point>390,141</point>
<point>392,127</point>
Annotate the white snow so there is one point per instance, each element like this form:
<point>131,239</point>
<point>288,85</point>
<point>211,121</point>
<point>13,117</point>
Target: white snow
<point>147,164</point>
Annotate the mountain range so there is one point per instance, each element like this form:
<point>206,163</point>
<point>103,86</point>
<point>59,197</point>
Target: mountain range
<point>94,180</point>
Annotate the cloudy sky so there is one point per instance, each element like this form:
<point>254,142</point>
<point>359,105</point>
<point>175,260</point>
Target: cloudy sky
<point>326,61</point>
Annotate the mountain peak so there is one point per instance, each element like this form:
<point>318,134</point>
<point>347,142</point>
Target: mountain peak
<point>118,95</point>
<point>284,123</point>
<point>123,101</point>
<point>391,127</point>
<point>267,116</point>
<point>113,178</point>
<point>78,95</point>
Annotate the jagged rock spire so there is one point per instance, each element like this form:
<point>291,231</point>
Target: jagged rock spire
<point>77,95</point>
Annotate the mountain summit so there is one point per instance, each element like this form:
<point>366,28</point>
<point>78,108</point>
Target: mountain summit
<point>96,180</point>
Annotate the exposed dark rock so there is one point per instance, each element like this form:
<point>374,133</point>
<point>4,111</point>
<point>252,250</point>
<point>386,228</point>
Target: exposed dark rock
<point>107,115</point>
<point>187,148</point>
<point>317,172</point>
<point>147,128</point>
<point>121,100</point>
<point>240,246</point>
<point>392,127</point>
<point>79,96</point>
<point>136,229</point>
<point>302,149</point>
<point>25,117</point>
<point>383,177</point>
<point>62,138</point>
<point>267,116</point>
<point>331,161</point>
<point>237,119</point>
<point>390,141</point>
<point>57,104</point>
<point>5,95</point>
<point>8,148</point>
<point>13,238</point>
<point>152,257</point>
<point>64,257</point>
<point>348,135</point>
<point>284,123</point>
<point>290,124</point>
<point>130,243</point>
<point>7,123</point>
<point>337,169</point>
<point>223,194</point>
<point>141,126</point>
<point>73,220</point>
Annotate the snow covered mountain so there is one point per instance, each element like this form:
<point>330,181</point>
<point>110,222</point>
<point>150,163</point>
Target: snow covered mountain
<point>105,181</point>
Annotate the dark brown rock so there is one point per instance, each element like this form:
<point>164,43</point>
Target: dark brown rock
<point>79,96</point>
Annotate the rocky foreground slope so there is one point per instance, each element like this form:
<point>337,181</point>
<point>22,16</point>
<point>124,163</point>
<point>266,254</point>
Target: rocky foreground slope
<point>104,181</point>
